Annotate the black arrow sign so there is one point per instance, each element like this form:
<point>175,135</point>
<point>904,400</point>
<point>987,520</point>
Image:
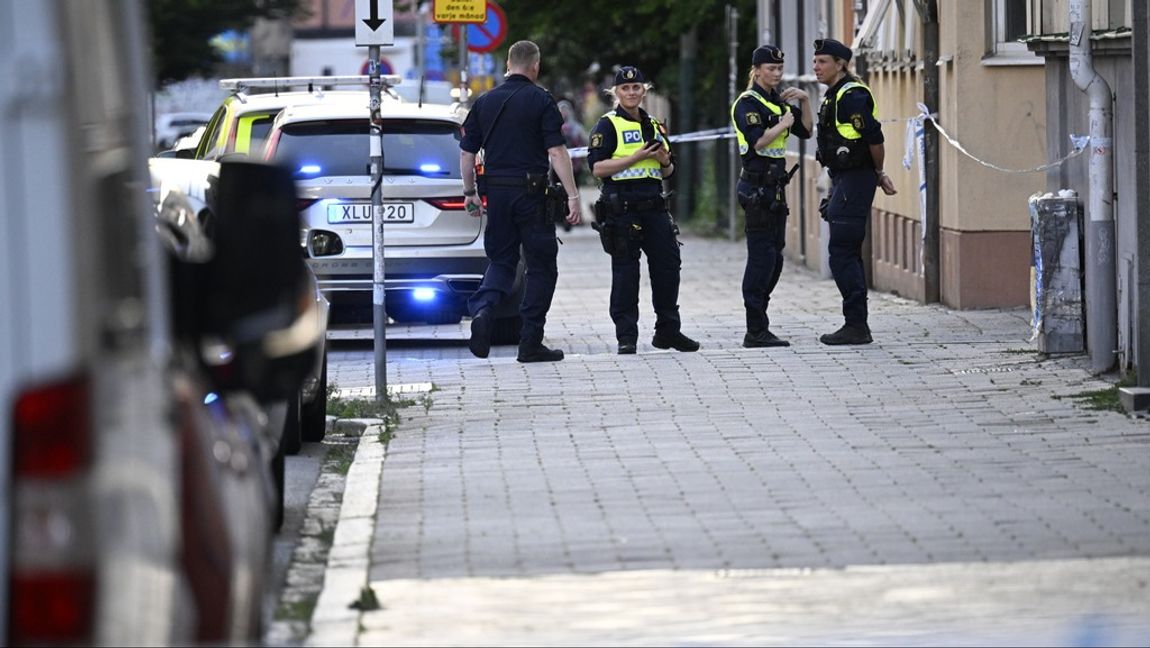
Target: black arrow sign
<point>375,21</point>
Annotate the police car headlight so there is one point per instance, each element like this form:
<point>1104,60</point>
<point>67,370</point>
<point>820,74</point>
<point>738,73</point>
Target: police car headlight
<point>325,243</point>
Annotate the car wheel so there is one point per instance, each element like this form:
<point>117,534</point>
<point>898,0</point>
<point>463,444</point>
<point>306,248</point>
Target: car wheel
<point>313,415</point>
<point>292,442</point>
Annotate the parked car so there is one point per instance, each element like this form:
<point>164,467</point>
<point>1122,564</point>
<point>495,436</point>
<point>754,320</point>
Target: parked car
<point>434,254</point>
<point>172,126</point>
<point>135,490</point>
<point>241,123</point>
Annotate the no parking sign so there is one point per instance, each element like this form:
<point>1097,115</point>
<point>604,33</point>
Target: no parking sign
<point>488,35</point>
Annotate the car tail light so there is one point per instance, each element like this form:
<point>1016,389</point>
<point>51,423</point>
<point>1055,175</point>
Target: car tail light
<point>450,204</point>
<point>303,203</point>
<point>52,588</point>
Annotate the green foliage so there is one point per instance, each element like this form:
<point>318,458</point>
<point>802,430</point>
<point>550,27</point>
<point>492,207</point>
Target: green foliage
<point>182,30</point>
<point>575,36</point>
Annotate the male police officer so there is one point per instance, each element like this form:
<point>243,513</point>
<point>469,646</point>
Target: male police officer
<point>631,153</point>
<point>518,127</point>
<point>850,146</point>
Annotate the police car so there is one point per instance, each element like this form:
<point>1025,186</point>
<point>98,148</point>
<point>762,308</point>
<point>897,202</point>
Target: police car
<point>434,255</point>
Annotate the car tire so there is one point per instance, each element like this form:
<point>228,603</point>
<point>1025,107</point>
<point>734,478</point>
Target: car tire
<point>313,415</point>
<point>292,441</point>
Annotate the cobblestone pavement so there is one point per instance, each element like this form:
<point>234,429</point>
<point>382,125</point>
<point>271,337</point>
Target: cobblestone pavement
<point>940,486</point>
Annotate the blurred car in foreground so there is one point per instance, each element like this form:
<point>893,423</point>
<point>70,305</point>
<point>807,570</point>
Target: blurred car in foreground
<point>434,250</point>
<point>136,491</point>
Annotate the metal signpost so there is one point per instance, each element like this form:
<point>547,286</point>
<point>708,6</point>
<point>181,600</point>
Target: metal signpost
<point>374,27</point>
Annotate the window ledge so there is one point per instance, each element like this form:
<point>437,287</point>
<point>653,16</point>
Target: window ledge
<point>1007,60</point>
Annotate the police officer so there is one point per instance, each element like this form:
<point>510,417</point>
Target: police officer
<point>519,128</point>
<point>850,146</point>
<point>763,119</point>
<point>631,154</point>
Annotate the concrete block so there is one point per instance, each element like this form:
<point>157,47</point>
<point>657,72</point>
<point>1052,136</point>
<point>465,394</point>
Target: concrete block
<point>1134,399</point>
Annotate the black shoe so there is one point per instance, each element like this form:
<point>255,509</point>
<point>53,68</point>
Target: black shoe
<point>763,339</point>
<point>847,335</point>
<point>538,353</point>
<point>676,341</point>
<point>627,348</point>
<point>480,342</point>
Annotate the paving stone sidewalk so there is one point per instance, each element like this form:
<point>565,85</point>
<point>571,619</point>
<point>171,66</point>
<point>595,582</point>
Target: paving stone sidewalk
<point>940,486</point>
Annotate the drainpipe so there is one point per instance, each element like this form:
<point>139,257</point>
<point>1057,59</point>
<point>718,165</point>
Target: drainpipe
<point>1101,294</point>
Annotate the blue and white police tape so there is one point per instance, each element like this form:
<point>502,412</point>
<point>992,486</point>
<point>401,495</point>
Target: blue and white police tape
<point>696,136</point>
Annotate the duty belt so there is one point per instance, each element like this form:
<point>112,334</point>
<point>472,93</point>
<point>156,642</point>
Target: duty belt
<point>639,204</point>
<point>756,177</point>
<point>505,181</point>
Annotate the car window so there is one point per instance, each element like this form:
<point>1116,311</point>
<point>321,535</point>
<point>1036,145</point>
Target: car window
<point>251,131</point>
<point>211,134</point>
<point>337,148</point>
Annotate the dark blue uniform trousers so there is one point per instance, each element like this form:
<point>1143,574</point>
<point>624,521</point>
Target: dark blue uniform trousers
<point>764,262</point>
<point>514,219</point>
<point>848,212</point>
<point>663,263</point>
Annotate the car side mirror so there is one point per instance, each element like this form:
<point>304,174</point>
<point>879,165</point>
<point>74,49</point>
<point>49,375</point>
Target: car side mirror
<point>186,154</point>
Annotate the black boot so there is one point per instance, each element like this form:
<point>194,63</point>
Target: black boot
<point>676,341</point>
<point>848,334</point>
<point>758,334</point>
<point>536,352</point>
<point>480,342</point>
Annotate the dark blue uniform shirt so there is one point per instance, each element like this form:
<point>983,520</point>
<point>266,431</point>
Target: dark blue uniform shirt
<point>753,131</point>
<point>529,125</point>
<point>603,143</point>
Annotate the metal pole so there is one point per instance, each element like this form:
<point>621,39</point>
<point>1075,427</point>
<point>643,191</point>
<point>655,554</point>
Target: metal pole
<point>1101,292</point>
<point>1142,175</point>
<point>931,253</point>
<point>463,64</point>
<point>733,156</point>
<point>378,292</point>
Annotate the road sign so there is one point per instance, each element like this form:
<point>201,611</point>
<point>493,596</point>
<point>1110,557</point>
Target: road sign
<point>459,11</point>
<point>489,34</point>
<point>373,23</point>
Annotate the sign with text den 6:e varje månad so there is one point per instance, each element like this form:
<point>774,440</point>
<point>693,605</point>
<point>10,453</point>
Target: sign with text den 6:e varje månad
<point>460,11</point>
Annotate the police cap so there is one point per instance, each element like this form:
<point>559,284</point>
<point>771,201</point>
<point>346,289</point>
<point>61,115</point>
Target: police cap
<point>766,54</point>
<point>629,74</point>
<point>832,47</point>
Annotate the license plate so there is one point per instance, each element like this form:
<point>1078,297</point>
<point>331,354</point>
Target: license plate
<point>393,212</point>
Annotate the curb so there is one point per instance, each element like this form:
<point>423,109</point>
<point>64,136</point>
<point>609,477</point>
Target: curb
<point>334,621</point>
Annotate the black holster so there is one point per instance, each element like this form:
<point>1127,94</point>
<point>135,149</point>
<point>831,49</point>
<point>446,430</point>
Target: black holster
<point>614,233</point>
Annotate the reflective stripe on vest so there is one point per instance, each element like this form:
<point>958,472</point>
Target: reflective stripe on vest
<point>777,148</point>
<point>628,139</point>
<point>847,130</point>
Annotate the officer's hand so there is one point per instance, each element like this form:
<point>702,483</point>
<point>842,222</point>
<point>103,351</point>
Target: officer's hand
<point>575,209</point>
<point>473,205</point>
<point>887,185</point>
<point>787,119</point>
<point>795,94</point>
<point>651,149</point>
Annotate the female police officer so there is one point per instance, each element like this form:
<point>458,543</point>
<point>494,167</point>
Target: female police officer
<point>763,119</point>
<point>850,146</point>
<point>630,153</point>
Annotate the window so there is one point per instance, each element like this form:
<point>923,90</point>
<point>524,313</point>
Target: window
<point>340,148</point>
<point>1008,21</point>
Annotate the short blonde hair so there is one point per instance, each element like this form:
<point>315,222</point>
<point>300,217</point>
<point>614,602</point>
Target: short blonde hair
<point>522,54</point>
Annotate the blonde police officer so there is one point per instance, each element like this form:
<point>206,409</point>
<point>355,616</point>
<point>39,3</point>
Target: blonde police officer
<point>630,153</point>
<point>763,120</point>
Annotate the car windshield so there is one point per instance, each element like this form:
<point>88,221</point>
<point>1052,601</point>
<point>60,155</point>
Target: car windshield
<point>340,148</point>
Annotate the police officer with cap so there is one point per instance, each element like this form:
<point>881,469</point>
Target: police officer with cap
<point>519,128</point>
<point>631,154</point>
<point>850,146</point>
<point>763,119</point>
